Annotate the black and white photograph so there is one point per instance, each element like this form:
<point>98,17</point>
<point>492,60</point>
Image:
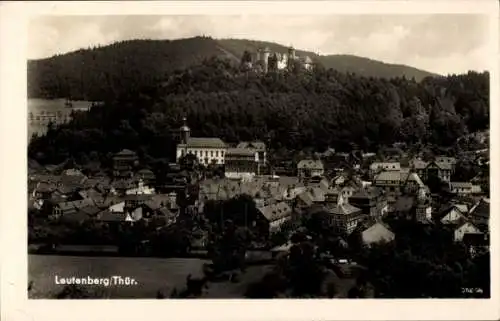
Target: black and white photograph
<point>219,157</point>
<point>258,155</point>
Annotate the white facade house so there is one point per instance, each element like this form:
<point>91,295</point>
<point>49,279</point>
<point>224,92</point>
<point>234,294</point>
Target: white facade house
<point>465,228</point>
<point>454,214</point>
<point>140,189</point>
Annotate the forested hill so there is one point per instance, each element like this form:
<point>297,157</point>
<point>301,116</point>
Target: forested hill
<point>99,73</point>
<point>292,111</point>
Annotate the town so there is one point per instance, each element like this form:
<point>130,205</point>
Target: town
<point>240,205</point>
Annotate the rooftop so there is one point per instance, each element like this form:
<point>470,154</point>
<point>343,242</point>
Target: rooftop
<point>204,142</point>
<point>240,152</point>
<point>310,164</point>
<point>276,211</point>
<point>343,209</point>
<point>258,145</point>
<point>126,152</point>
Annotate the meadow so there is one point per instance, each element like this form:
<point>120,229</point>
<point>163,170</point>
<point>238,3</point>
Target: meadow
<point>152,274</point>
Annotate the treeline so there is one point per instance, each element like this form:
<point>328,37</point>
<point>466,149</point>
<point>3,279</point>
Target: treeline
<point>106,71</point>
<point>293,111</point>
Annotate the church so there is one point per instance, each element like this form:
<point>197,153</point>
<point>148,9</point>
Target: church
<point>208,150</point>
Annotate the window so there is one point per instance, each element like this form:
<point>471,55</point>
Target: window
<point>211,153</point>
<point>216,153</point>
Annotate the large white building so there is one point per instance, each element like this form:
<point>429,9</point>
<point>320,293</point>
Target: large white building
<point>208,150</point>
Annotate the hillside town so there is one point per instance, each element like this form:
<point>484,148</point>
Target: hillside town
<point>354,193</point>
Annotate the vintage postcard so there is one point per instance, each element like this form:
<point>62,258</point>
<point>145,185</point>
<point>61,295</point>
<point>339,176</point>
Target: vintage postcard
<point>269,152</point>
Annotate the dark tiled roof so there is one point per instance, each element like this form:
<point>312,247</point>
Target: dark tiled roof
<point>240,152</point>
<point>481,209</point>
<point>276,211</point>
<point>310,164</point>
<point>260,146</point>
<point>76,216</point>
<point>126,152</point>
<point>44,187</point>
<point>107,216</point>
<point>90,210</point>
<point>306,197</point>
<point>204,142</point>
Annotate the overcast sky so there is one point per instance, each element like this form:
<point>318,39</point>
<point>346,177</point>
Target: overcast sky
<point>437,43</point>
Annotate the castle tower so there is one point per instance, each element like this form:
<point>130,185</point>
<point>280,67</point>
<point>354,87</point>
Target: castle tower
<point>291,58</point>
<point>265,58</point>
<point>258,56</point>
<point>185,131</point>
<point>291,52</point>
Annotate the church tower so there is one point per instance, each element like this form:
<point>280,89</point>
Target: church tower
<point>185,131</point>
<point>423,211</point>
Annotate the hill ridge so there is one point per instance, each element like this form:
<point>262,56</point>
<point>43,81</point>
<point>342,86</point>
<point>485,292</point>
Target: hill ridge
<point>94,73</point>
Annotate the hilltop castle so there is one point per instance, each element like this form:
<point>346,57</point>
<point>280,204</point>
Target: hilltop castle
<point>266,61</point>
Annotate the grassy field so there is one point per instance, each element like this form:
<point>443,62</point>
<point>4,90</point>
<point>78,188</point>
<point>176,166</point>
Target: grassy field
<point>152,274</point>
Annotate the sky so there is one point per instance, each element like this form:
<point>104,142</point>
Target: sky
<point>440,43</point>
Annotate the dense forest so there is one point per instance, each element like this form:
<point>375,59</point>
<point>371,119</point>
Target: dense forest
<point>98,73</point>
<point>292,111</point>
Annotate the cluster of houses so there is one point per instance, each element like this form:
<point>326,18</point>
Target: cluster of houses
<point>353,192</point>
<point>353,203</point>
<point>71,196</point>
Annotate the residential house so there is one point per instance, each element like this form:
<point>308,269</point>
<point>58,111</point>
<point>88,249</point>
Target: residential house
<point>140,189</point>
<point>124,163</point>
<point>480,214</point>
<point>240,163</point>
<point>112,218</point>
<point>443,160</point>
<point>115,205</point>
<point>378,167</point>
<point>390,182</point>
<point>71,207</point>
<point>442,169</point>
<point>121,186</point>
<point>147,176</point>
<point>309,168</point>
<point>276,215</point>
<point>343,216</point>
<point>371,201</point>
<point>464,188</point>
<point>160,206</point>
<point>259,148</point>
<point>135,200</point>
<point>466,227</point>
<point>453,214</point>
<point>377,233</point>
<point>44,190</point>
<point>411,182</point>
